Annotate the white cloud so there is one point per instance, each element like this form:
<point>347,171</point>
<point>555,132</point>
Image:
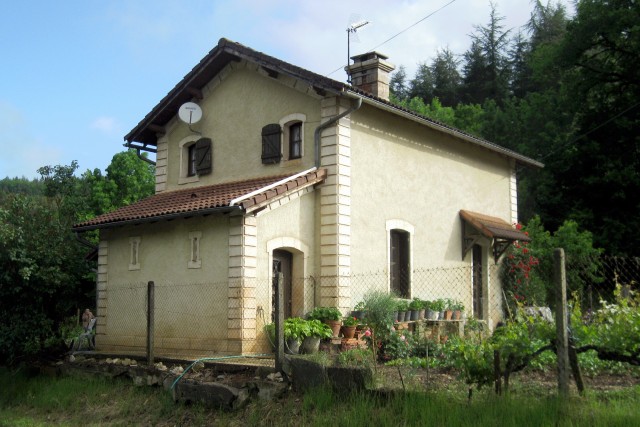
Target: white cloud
<point>105,124</point>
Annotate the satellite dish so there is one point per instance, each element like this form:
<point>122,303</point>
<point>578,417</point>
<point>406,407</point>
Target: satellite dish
<point>190,113</point>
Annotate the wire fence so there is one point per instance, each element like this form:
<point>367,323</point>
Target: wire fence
<point>229,317</point>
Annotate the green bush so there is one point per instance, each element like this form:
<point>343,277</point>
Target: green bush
<point>398,345</point>
<point>325,313</point>
<point>356,357</point>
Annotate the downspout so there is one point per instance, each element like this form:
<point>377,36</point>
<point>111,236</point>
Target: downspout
<point>331,121</point>
<point>141,157</point>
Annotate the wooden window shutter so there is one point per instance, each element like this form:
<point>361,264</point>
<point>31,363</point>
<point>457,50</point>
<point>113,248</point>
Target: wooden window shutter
<point>271,152</point>
<point>203,156</point>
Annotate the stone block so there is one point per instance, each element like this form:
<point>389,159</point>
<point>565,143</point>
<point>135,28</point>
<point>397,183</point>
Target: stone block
<point>214,395</point>
<point>347,379</point>
<point>306,375</point>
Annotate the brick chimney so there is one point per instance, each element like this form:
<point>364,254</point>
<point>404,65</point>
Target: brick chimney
<point>370,73</point>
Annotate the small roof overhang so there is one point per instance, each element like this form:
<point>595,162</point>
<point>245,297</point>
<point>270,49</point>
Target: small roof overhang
<point>476,226</point>
<point>238,197</point>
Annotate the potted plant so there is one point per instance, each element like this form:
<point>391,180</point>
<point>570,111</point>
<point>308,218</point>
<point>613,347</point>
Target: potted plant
<point>415,306</point>
<point>438,307</point>
<point>295,330</point>
<point>316,331</point>
<point>458,309</point>
<point>359,311</point>
<point>448,308</point>
<point>329,315</point>
<point>427,308</point>
<point>401,306</point>
<point>349,324</point>
<point>431,312</point>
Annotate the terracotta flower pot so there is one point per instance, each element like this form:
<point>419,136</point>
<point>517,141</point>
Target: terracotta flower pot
<point>335,326</point>
<point>348,331</point>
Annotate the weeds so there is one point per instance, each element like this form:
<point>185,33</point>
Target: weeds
<point>40,401</point>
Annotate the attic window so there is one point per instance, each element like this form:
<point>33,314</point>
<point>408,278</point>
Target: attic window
<point>195,159</point>
<point>191,160</point>
<point>295,140</point>
<point>271,151</point>
<point>293,135</point>
<point>203,158</point>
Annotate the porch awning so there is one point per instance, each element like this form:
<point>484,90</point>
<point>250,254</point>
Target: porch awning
<point>476,226</point>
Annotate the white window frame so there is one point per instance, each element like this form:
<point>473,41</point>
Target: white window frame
<point>134,253</point>
<point>285,123</point>
<point>195,238</point>
<point>399,224</point>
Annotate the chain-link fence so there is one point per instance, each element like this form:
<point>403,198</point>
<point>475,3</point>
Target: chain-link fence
<point>229,317</point>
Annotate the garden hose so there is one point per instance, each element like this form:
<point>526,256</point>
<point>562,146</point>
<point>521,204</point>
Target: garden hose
<point>213,358</point>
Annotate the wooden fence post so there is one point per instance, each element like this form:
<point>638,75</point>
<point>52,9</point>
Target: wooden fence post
<point>562,336</point>
<point>150,321</point>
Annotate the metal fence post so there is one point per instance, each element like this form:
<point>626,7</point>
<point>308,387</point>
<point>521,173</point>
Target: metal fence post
<point>150,311</point>
<point>562,336</point>
<point>279,320</point>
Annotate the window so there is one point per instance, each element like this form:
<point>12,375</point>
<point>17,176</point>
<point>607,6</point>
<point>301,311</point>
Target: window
<point>399,263</point>
<point>478,283</point>
<point>134,253</point>
<point>295,140</point>
<point>194,245</point>
<point>195,159</point>
<point>191,160</point>
<point>188,161</point>
<point>284,139</point>
<point>271,152</point>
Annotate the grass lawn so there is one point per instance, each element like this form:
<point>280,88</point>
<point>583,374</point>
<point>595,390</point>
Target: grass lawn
<point>73,401</point>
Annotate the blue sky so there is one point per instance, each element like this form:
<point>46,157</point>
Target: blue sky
<point>76,76</point>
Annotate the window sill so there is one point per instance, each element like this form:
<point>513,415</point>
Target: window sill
<point>188,179</point>
<point>291,162</point>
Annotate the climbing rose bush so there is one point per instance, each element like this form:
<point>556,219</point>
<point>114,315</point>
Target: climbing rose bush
<point>521,285</point>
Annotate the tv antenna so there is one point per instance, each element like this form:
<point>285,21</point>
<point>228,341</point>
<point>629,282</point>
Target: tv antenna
<point>356,23</point>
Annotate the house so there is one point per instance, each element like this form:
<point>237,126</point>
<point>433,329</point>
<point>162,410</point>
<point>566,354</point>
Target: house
<point>268,173</point>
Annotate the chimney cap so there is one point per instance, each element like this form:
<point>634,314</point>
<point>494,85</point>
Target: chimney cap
<point>368,56</point>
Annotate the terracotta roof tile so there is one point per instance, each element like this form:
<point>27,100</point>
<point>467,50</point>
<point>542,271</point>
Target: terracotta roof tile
<point>200,200</point>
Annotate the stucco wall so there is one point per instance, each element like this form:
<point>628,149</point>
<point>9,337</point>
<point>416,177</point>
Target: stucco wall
<point>403,171</point>
<point>191,303</point>
<point>289,225</point>
<point>236,105</point>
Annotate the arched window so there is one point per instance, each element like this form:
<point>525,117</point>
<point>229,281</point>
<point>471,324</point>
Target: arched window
<point>400,256</point>
<point>400,263</point>
<point>295,140</point>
